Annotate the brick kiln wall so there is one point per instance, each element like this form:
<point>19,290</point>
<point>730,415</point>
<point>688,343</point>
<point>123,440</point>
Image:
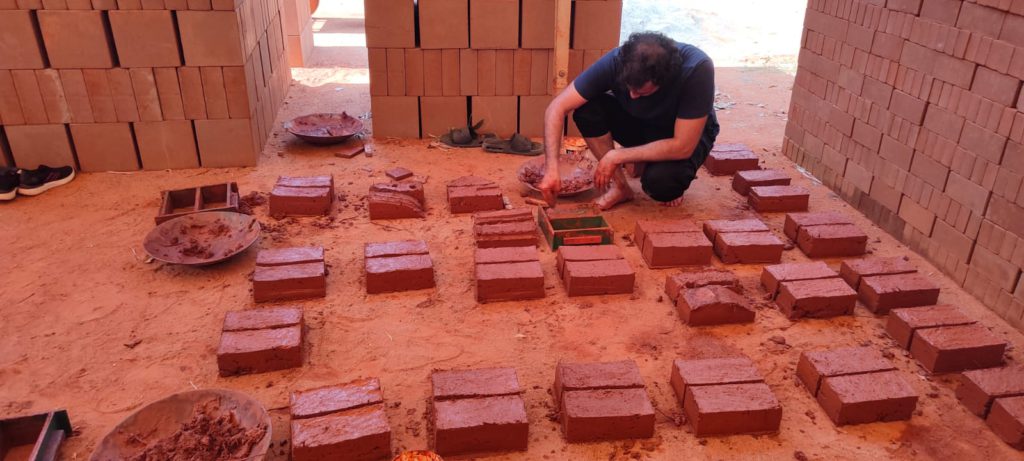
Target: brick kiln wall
<point>911,111</point>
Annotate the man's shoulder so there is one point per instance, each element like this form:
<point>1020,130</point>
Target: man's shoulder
<point>691,54</point>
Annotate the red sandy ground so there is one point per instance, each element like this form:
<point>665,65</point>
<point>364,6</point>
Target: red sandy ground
<point>89,326</point>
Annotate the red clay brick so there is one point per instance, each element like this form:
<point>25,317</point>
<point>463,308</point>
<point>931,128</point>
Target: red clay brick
<point>361,433</point>
<point>474,383</point>
<point>748,247</point>
<point>575,376</point>
<point>820,298</point>
<point>645,226</point>
<point>732,409</point>
<point>1007,421</point>
<point>867,398</point>
<point>596,24</point>
<point>104,146</point>
<point>902,323</point>
<point>399,273</point>
<point>20,47</point>
<point>814,366</point>
<point>584,278</point>
<point>494,24</point>
<point>321,401</point>
<point>470,194</point>
<point>721,163</point>
<point>413,189</point>
<point>506,255</point>
<point>710,372</point>
<point>957,348</point>
<point>444,24</point>
<point>210,38</point>
<point>773,276</point>
<point>853,270</point>
<point>713,227</point>
<point>390,24</point>
<point>766,199</point>
<point>300,201</point>
<point>831,241</point>
<point>881,293</point>
<point>509,281</point>
<point>795,221</point>
<point>674,283</point>
<point>259,351</point>
<point>662,250</point>
<point>76,39</point>
<point>392,205</point>
<point>486,424</point>
<point>713,305</point>
<point>395,248</point>
<point>585,253</point>
<point>742,181</point>
<point>607,414</point>
<point>260,319</point>
<point>980,388</point>
<point>294,281</point>
<point>145,38</point>
<point>286,256</point>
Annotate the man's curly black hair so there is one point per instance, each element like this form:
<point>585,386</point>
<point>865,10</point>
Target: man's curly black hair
<point>648,57</point>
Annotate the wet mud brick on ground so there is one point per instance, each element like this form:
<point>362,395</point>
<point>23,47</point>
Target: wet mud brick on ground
<point>742,181</point>
<point>505,228</point>
<point>725,396</point>
<point>597,276</point>
<point>715,226</point>
<point>477,411</point>
<point>832,241</point>
<point>344,421</point>
<point>508,274</point>
<point>302,196</point>
<point>743,241</point>
<point>1007,421</point>
<point>672,243</point>
<point>398,173</point>
<point>766,199</point>
<point>713,305</point>
<point>819,298</point>
<point>675,283</point>
<point>584,253</point>
<point>402,200</point>
<point>289,274</point>
<point>773,276</point>
<point>403,265</point>
<point>957,348</point>
<point>815,366</point>
<point>470,194</point>
<point>856,385</point>
<point>260,340</point>
<point>727,159</point>
<point>602,401</point>
<point>980,388</point>
<point>854,270</point>
<point>795,221</point>
<point>882,293</point>
<point>902,323</point>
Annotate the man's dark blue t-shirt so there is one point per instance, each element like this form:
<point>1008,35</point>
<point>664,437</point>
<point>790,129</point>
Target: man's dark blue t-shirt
<point>688,94</point>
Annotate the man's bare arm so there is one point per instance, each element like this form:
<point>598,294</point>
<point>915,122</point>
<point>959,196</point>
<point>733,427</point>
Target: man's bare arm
<point>554,124</point>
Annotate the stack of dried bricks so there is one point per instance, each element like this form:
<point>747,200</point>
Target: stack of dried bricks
<point>298,31</point>
<point>886,283</point>
<point>260,340</point>
<point>508,274</point>
<point>399,199</point>
<point>856,385</point>
<point>505,228</point>
<point>302,196</point>
<point>602,401</point>
<point>768,199</point>
<point>478,411</point>
<point>289,273</point>
<point>672,243</point>
<point>398,266</point>
<point>912,112</point>
<point>727,159</point>
<point>825,234</point>
<point>744,241</point>
<point>594,270</point>
<point>743,180</point>
<point>808,290</point>
<point>997,394</point>
<point>489,58</point>
<point>725,396</point>
<point>469,194</point>
<point>139,84</point>
<point>944,340</point>
<point>344,421</point>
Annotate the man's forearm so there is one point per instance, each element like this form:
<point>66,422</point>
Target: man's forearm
<point>554,125</point>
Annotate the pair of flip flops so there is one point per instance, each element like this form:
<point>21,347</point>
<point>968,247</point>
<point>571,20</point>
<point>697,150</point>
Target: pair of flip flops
<point>469,137</point>
<point>465,137</point>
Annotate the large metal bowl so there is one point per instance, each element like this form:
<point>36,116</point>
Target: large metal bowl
<point>164,417</point>
<point>324,129</point>
<point>202,238</point>
<point>576,168</point>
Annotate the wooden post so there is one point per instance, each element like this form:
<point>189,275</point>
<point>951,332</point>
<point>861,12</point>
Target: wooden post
<point>563,18</point>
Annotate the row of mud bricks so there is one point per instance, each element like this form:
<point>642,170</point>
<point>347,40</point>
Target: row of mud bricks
<point>912,112</point>
<point>435,62</point>
<point>108,85</point>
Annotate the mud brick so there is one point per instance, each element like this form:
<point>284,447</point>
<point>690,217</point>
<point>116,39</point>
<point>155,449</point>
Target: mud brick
<point>494,24</point>
<point>509,281</point>
<point>399,273</point>
<point>34,145</point>
<point>853,270</point>
<point>644,227</point>
<point>713,305</point>
<point>392,205</point>
<point>713,227</point>
<point>820,298</point>
<point>867,398</point>
<point>1007,421</point>
<point>470,199</point>
<point>881,293</point>
<point>538,17</point>
<point>361,433</point>
<point>773,276</point>
<point>531,115</point>
<point>210,38</point>
<point>104,146</point>
<point>51,90</point>
<point>145,38</point>
<point>502,216</point>
<point>711,372</point>
<point>262,319</point>
<point>721,163</point>
<point>474,383</point>
<point>584,253</point>
<point>398,173</point>
<point>506,255</point>
<point>171,104</point>
<point>522,68</point>
<point>795,221</point>
<point>607,414</point>
<point>597,24</point>
<point>213,91</point>
<point>676,249</point>
<point>397,248</point>
<point>500,114</point>
<point>396,116</point>
<point>748,247</point>
<point>321,401</point>
<point>300,201</point>
<point>980,388</point>
<point>286,256</point>
<point>902,323</point>
<point>729,409</point>
<point>957,348</point>
<point>585,278</point>
<point>675,283</point>
<point>577,376</point>
<point>259,351</point>
<point>779,198</point>
<point>486,424</point>
<point>517,228</point>
<point>294,281</point>
<point>830,241</point>
<point>444,24</point>
<point>20,47</point>
<point>26,86</point>
<point>742,181</point>
<point>167,145</point>
<point>507,240</point>
<point>814,366</point>
<point>76,39</point>
<point>10,105</point>
<point>225,143</point>
<point>390,23</point>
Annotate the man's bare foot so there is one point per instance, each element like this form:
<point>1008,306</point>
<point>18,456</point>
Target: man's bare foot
<point>613,196</point>
<point>673,203</point>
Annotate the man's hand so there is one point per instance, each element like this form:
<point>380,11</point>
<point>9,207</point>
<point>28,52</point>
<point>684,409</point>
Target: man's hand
<point>606,169</point>
<point>551,186</point>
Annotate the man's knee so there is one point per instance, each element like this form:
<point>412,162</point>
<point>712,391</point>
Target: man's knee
<point>666,181</point>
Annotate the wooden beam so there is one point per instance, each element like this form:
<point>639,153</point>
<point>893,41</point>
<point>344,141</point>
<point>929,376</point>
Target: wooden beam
<point>563,18</point>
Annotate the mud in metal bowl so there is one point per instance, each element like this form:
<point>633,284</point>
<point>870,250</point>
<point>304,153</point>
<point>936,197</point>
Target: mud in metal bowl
<point>202,238</point>
<point>324,129</point>
<point>576,167</point>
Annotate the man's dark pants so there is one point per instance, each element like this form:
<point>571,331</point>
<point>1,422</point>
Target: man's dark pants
<point>662,181</point>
